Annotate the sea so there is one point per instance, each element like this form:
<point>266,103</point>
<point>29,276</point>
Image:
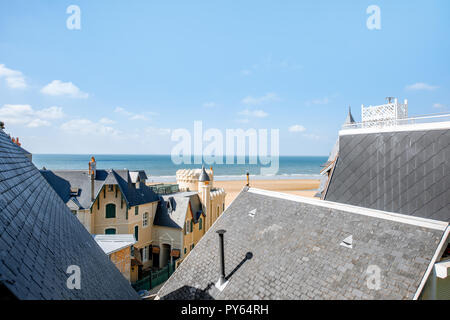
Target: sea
<point>161,168</point>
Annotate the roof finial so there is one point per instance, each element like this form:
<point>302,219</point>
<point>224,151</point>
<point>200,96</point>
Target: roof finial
<point>349,116</point>
<point>203,176</point>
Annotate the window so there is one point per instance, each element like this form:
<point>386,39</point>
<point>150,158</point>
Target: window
<point>110,187</point>
<point>192,226</point>
<point>136,210</point>
<point>110,210</point>
<point>223,207</point>
<point>186,228</point>
<point>200,224</point>
<point>185,250</point>
<point>136,233</point>
<point>145,219</point>
<point>110,231</point>
<point>218,211</point>
<point>145,254</point>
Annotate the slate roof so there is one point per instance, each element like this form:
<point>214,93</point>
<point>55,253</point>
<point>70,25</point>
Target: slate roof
<point>40,238</point>
<point>179,204</point>
<point>203,176</point>
<point>291,249</point>
<point>406,172</point>
<point>63,180</point>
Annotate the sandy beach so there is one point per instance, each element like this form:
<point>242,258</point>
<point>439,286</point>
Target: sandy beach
<point>301,187</point>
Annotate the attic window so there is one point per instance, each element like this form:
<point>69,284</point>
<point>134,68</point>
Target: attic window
<point>74,192</point>
<point>110,187</point>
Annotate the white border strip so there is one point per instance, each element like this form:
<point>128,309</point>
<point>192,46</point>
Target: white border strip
<point>399,128</point>
<point>402,218</point>
<point>437,255</point>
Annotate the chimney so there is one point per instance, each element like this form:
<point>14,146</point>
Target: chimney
<point>248,179</point>
<point>221,281</point>
<point>92,172</point>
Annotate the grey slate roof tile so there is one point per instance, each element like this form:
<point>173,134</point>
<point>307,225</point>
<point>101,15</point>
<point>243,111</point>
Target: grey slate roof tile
<point>297,255</point>
<point>403,172</point>
<point>40,238</point>
<point>63,180</point>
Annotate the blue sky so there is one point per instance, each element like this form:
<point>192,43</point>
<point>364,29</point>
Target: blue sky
<point>138,69</point>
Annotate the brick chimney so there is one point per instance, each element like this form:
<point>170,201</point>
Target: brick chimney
<point>92,172</point>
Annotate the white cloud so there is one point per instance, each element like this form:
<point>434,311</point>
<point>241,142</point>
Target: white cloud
<point>157,131</point>
<point>297,128</point>
<point>269,97</point>
<point>439,106</point>
<point>421,86</point>
<point>14,78</point>
<point>59,88</point>
<point>242,120</point>
<point>36,123</point>
<point>253,113</point>
<point>130,115</point>
<point>24,114</point>
<point>88,127</point>
<point>50,113</point>
<point>106,121</point>
<point>210,104</point>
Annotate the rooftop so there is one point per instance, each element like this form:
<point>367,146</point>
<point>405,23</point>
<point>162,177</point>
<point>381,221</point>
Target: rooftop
<point>40,238</point>
<point>281,246</point>
<point>63,181</point>
<point>111,243</point>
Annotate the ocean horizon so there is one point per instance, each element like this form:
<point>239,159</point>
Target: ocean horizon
<point>160,168</point>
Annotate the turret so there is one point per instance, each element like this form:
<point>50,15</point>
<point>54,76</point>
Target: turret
<point>204,188</point>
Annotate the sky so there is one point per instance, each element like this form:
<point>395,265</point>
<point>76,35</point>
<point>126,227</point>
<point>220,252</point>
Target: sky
<point>137,70</point>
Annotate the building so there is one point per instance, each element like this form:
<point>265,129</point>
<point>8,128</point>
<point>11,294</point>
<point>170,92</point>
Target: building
<point>183,217</point>
<point>279,246</point>
<point>42,244</point>
<point>109,202</point>
<point>167,223</point>
<point>394,163</point>
<point>119,248</point>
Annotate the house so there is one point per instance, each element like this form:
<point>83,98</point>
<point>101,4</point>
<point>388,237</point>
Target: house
<point>45,252</point>
<point>279,246</point>
<point>119,248</point>
<point>182,218</point>
<point>167,223</point>
<point>393,163</point>
<point>109,202</point>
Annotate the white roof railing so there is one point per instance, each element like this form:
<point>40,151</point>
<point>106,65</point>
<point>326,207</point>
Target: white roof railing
<point>398,122</point>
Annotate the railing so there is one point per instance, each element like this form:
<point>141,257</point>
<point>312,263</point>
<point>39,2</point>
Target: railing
<point>155,278</point>
<point>398,122</point>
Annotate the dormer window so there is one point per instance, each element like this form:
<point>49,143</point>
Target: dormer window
<point>74,192</point>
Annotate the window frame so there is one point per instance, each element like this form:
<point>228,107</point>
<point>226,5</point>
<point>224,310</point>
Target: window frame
<point>145,218</point>
<point>136,233</point>
<point>109,205</point>
<point>110,228</point>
